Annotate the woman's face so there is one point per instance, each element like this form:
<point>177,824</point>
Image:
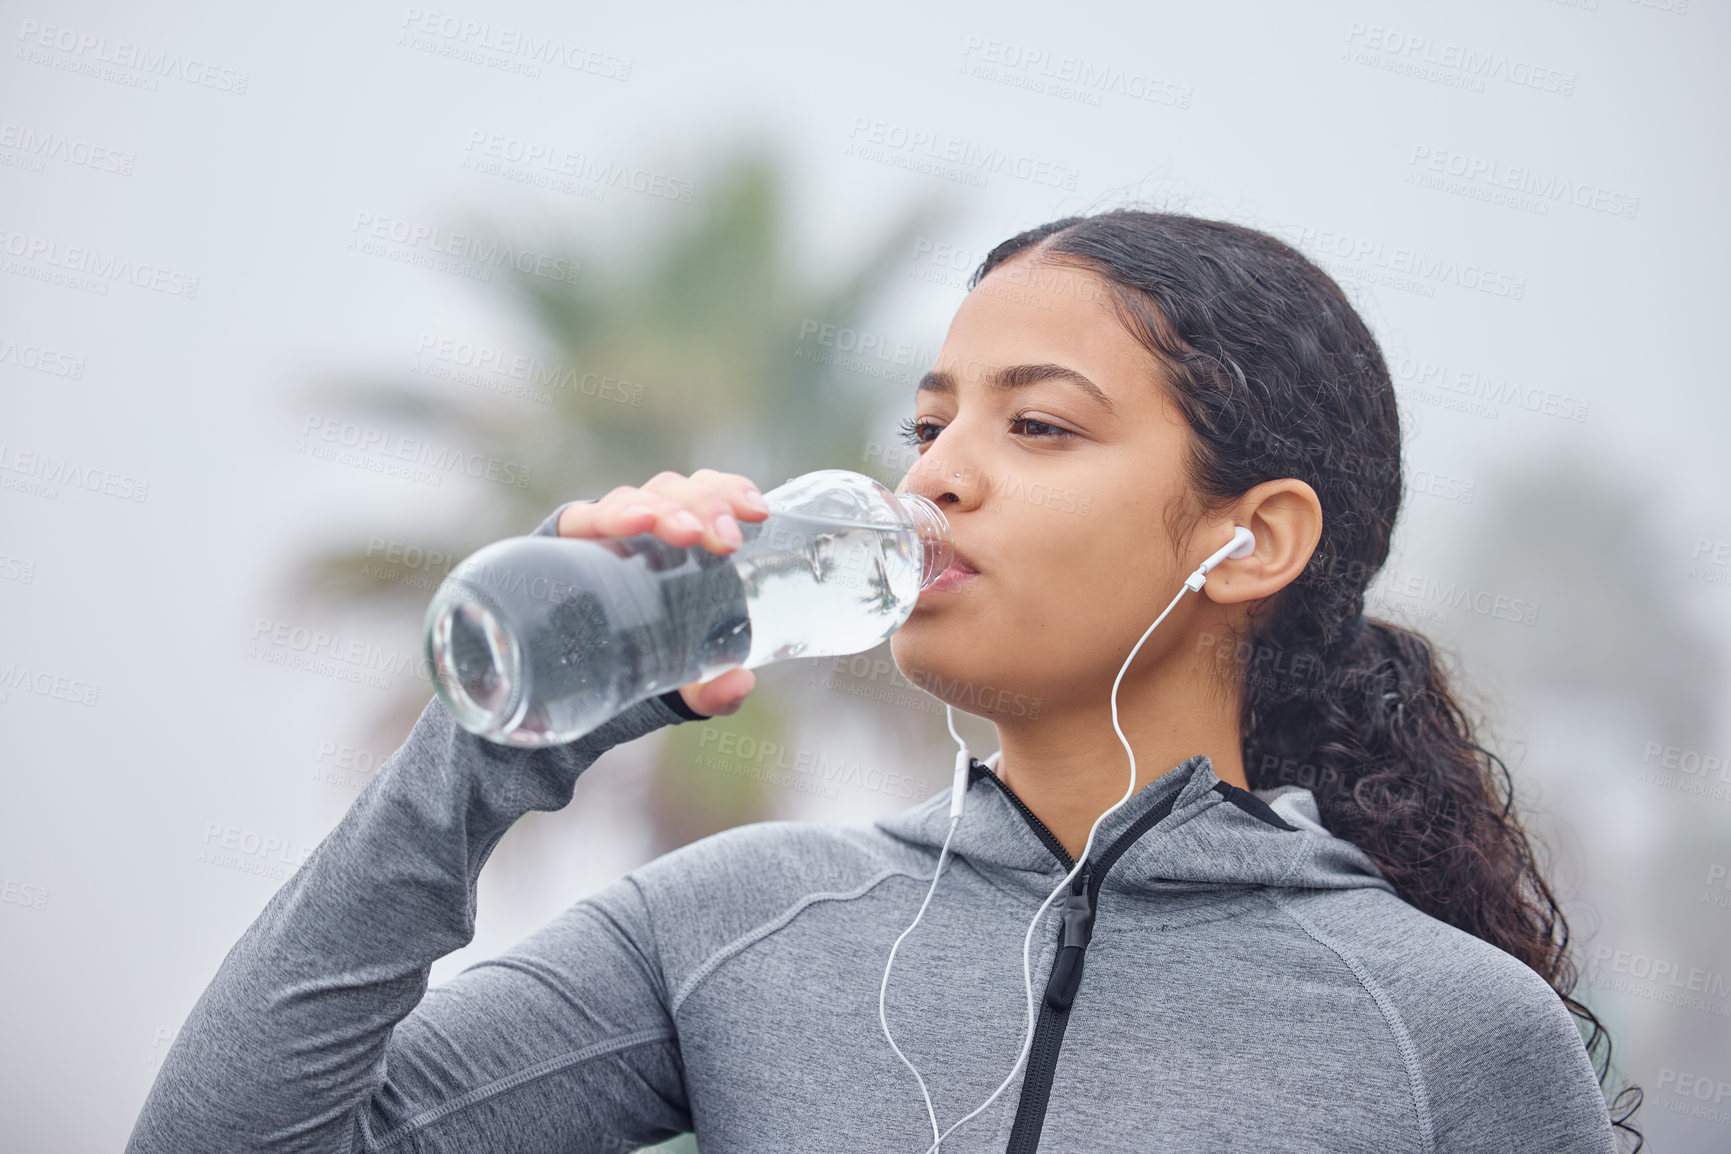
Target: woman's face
<point>1043,418</point>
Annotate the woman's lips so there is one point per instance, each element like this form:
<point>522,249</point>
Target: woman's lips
<point>958,574</point>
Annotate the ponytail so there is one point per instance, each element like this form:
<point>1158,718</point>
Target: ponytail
<point>1393,764</point>
<point>1277,376</point>
<point>1397,770</point>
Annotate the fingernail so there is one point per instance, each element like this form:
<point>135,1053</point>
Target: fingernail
<point>637,511</point>
<point>756,501</point>
<point>728,529</point>
<point>686,519</point>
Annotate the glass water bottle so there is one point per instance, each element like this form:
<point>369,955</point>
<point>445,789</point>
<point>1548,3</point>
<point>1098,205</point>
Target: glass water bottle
<point>537,640</point>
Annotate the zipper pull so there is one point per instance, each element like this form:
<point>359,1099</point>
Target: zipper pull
<point>1078,930</point>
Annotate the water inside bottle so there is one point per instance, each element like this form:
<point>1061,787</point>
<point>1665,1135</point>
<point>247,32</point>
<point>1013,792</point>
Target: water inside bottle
<point>848,586</point>
<point>543,649</point>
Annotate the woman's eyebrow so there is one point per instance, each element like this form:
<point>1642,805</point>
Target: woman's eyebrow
<point>1019,377</point>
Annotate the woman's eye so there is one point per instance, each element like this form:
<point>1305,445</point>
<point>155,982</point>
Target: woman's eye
<point>913,431</point>
<point>1051,429</point>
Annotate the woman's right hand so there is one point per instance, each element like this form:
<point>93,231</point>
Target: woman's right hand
<point>700,509</point>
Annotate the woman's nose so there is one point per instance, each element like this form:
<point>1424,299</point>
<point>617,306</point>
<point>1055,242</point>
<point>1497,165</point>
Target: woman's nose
<point>942,479</point>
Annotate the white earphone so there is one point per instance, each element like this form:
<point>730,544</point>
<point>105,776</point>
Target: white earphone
<point>1243,544</point>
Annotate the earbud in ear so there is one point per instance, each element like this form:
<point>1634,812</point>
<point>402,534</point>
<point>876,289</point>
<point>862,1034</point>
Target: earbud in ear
<point>1243,544</point>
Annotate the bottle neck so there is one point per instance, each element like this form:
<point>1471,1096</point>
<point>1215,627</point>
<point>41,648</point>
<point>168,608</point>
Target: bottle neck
<point>933,527</point>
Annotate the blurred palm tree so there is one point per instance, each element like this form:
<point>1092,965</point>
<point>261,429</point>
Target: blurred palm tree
<point>700,327</point>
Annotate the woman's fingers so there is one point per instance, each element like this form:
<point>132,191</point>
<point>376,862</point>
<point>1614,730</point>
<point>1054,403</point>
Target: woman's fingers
<point>683,511</point>
<point>742,496</point>
<point>717,501</point>
<point>720,695</point>
<point>704,508</point>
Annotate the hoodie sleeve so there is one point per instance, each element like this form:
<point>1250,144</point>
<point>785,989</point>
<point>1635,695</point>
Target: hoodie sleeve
<point>314,1034</point>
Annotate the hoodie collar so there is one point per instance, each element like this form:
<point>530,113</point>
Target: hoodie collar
<point>1185,826</point>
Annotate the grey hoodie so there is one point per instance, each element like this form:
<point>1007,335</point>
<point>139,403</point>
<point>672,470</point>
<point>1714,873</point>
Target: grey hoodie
<point>1235,978</point>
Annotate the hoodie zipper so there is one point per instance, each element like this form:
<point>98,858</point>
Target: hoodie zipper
<point>1076,930</point>
<point>1046,836</point>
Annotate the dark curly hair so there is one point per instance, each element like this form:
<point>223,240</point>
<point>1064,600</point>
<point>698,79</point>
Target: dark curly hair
<point>1278,376</point>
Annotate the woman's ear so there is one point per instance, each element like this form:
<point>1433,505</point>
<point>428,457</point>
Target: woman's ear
<point>1286,517</point>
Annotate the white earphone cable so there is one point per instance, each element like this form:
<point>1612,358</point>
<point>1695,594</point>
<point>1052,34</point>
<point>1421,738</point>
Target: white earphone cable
<point>883,989</point>
<point>1081,860</point>
<point>962,766</point>
<point>1241,542</point>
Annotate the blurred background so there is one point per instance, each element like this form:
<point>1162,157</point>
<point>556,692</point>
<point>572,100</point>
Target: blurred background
<point>304,303</point>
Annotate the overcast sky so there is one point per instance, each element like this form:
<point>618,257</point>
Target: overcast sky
<point>206,208</point>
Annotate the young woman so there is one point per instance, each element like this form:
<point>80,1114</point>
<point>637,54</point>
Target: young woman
<point>1272,894</point>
